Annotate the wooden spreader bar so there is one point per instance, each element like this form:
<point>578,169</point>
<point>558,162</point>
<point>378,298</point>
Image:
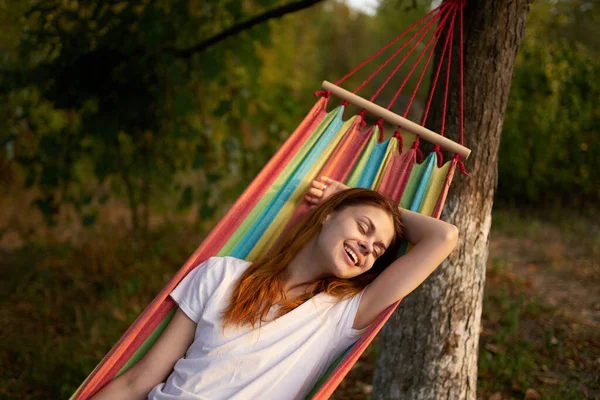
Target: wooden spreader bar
<point>396,119</point>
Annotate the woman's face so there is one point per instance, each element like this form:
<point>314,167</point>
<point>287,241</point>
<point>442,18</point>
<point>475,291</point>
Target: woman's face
<point>353,238</point>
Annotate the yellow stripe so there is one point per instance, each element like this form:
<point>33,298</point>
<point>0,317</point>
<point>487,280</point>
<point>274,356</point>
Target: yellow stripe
<point>434,188</point>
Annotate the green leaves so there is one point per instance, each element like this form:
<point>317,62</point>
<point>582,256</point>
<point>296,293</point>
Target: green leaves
<point>546,145</point>
<point>223,108</point>
<point>186,199</point>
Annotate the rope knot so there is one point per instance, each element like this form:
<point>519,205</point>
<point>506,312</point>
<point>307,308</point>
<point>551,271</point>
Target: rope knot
<point>379,124</point>
<point>398,136</point>
<point>362,116</point>
<point>440,157</point>
<point>415,146</point>
<point>322,93</point>
<point>461,166</point>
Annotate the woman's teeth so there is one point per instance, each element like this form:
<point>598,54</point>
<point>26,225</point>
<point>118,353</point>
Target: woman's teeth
<point>352,254</point>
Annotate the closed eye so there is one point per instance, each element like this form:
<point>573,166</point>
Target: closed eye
<point>363,229</point>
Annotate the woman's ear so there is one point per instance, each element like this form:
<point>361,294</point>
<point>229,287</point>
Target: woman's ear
<point>326,218</point>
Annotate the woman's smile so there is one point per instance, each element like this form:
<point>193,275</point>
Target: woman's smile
<point>348,258</point>
<point>352,255</point>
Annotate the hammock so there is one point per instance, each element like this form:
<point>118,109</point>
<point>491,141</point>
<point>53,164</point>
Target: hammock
<point>323,144</point>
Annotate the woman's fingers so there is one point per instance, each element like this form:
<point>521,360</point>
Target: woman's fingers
<point>327,180</point>
<point>315,192</point>
<point>314,195</point>
<point>321,188</point>
<point>311,199</point>
<point>318,185</point>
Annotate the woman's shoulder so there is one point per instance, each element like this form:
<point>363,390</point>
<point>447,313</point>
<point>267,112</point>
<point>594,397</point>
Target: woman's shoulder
<point>227,261</point>
<point>226,265</point>
<point>217,270</point>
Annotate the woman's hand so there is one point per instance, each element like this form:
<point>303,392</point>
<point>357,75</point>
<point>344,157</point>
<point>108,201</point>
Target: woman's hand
<point>321,188</point>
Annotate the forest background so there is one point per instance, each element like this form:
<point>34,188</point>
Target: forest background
<point>123,141</point>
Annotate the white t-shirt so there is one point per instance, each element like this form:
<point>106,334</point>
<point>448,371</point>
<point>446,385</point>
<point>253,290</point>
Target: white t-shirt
<point>281,360</point>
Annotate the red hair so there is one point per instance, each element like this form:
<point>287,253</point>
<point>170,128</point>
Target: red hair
<point>261,285</point>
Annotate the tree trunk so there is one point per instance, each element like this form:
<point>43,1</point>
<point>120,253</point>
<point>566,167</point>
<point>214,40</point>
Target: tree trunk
<point>429,347</point>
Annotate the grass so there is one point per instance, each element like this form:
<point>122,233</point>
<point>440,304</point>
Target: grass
<point>531,342</point>
<point>66,305</point>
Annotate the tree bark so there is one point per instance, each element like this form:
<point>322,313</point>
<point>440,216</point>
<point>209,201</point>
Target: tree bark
<point>429,347</point>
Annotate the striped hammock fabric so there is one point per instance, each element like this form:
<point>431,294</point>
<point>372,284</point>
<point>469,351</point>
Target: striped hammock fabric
<point>323,144</point>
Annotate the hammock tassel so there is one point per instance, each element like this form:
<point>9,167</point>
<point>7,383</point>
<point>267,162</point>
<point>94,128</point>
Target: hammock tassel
<point>380,125</point>
<point>440,157</point>
<point>416,147</point>
<point>398,137</point>
<point>461,166</point>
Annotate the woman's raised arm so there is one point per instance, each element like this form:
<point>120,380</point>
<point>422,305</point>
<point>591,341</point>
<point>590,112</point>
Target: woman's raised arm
<point>432,241</point>
<point>156,365</point>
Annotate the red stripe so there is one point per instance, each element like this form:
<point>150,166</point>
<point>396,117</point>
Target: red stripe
<point>397,174</point>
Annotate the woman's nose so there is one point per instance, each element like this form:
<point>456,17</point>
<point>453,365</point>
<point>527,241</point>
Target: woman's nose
<point>366,247</point>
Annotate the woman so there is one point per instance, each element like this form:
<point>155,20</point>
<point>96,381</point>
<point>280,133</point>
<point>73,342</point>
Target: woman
<point>269,329</point>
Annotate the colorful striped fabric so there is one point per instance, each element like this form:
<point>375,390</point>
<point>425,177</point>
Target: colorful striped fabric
<point>323,144</point>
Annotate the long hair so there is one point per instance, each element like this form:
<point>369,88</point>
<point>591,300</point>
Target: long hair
<point>259,287</point>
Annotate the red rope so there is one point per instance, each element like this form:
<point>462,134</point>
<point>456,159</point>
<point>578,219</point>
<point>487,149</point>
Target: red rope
<point>398,136</point>
<point>441,14</point>
<point>414,93</point>
<point>324,93</point>
<point>450,39</point>
<point>437,35</point>
<point>461,165</point>
<point>391,75</point>
<point>380,125</point>
<point>362,116</point>
<point>426,26</point>
<point>428,15</point>
<point>415,146</point>
<point>450,36</point>
<point>435,81</point>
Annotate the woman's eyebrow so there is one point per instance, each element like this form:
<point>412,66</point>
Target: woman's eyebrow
<point>372,227</point>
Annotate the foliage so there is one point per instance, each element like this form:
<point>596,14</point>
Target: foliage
<point>101,103</point>
<point>98,101</point>
<point>99,98</point>
<point>549,148</point>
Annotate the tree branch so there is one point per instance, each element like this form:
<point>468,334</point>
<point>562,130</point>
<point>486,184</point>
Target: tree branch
<point>234,30</point>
